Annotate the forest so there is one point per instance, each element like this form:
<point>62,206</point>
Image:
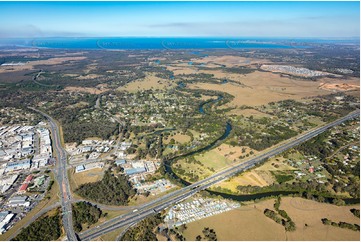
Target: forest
<point>111,190</point>
<point>47,228</point>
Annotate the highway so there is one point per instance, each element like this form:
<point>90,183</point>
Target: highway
<point>181,194</point>
<point>62,177</point>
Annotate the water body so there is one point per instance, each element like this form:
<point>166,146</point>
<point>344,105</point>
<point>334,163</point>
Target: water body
<point>201,106</point>
<point>135,43</point>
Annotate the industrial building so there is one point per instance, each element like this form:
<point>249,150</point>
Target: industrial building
<point>5,218</point>
<point>19,201</point>
<point>132,171</point>
<point>18,165</point>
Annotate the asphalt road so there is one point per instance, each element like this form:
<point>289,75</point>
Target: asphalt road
<point>181,194</point>
<point>62,177</point>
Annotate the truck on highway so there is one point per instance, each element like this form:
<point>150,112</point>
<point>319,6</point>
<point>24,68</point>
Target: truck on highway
<point>135,210</point>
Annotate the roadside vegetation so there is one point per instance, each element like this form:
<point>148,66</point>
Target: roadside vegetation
<point>145,230</point>
<point>84,215</point>
<point>46,228</point>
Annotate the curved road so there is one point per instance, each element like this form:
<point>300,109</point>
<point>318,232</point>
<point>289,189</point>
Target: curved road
<point>181,194</point>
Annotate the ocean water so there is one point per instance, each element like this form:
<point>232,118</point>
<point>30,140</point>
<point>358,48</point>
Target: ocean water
<point>134,43</point>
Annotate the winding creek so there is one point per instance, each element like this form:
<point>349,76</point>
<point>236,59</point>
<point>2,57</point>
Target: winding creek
<point>240,198</point>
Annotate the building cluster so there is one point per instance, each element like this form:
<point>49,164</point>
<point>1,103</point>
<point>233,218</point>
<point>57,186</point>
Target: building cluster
<point>154,187</point>
<point>89,149</point>
<point>137,167</point>
<point>23,148</point>
<point>297,71</point>
<point>197,209</point>
<point>16,204</point>
<point>344,71</point>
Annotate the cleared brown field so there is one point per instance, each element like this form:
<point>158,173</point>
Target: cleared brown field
<point>259,88</point>
<point>339,86</point>
<point>92,175</point>
<point>261,176</point>
<point>149,82</point>
<point>249,222</point>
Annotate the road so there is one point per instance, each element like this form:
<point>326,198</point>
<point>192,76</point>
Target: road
<point>62,177</point>
<point>181,194</point>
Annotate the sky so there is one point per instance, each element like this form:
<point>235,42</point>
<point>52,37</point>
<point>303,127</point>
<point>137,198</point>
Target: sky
<point>179,19</point>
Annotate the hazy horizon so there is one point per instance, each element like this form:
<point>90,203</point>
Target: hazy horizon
<point>180,19</point>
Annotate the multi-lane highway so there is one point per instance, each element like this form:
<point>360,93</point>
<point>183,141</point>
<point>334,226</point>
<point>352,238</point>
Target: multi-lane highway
<point>181,194</point>
<point>62,177</point>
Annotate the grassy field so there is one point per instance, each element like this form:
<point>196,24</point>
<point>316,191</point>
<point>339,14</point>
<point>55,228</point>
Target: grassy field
<point>54,197</point>
<point>111,236</point>
<point>214,160</point>
<point>259,88</point>
<point>249,223</point>
<point>140,199</point>
<point>149,82</point>
<point>261,176</point>
<point>181,138</point>
<point>92,175</point>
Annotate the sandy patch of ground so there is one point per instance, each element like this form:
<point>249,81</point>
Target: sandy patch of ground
<point>249,222</point>
<point>261,176</point>
<point>30,64</point>
<point>149,82</point>
<point>259,88</point>
<point>339,87</point>
<point>252,178</point>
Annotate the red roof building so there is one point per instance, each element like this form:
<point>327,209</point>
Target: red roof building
<point>23,187</point>
<point>28,179</point>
